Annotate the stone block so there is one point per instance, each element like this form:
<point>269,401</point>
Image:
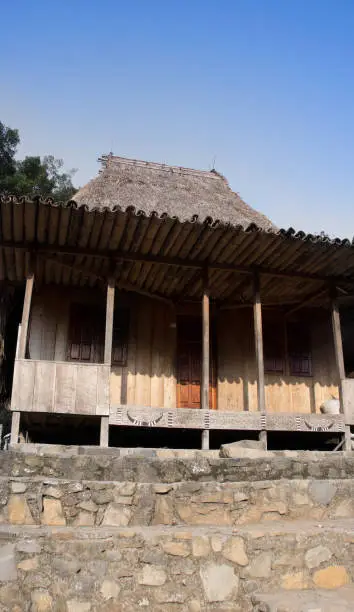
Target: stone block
<point>200,546</point>
<point>322,492</point>
<point>103,496</point>
<point>18,487</point>
<point>88,506</point>
<point>52,512</point>
<point>261,566</point>
<point>152,575</point>
<point>177,549</point>
<point>234,550</point>
<point>8,570</point>
<point>84,519</point>
<point>205,514</point>
<point>28,565</point>
<point>41,601</point>
<point>109,589</point>
<point>315,556</point>
<point>18,511</point>
<point>294,580</point>
<point>55,492</point>
<point>331,577</point>
<point>217,542</point>
<point>219,582</point>
<point>163,514</point>
<point>116,516</point>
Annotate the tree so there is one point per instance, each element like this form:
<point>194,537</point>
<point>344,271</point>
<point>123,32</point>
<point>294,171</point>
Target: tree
<point>33,175</point>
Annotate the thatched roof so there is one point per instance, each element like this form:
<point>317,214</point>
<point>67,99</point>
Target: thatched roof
<point>169,191</point>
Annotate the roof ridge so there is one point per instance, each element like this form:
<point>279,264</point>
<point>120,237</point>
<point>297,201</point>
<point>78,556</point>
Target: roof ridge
<point>111,159</point>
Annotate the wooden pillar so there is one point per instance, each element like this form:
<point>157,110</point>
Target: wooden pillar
<point>258,338</point>
<point>15,427</point>
<point>104,432</point>
<point>21,349</point>
<point>338,350</point>
<point>25,317</point>
<point>205,356</point>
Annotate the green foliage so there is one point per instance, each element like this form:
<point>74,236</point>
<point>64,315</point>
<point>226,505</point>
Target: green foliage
<point>33,175</point>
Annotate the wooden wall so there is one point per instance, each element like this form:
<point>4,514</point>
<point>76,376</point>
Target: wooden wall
<point>149,378</point>
<point>237,386</point>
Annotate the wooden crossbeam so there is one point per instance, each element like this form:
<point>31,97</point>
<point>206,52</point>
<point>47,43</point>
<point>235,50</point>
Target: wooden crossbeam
<point>307,300</point>
<point>169,261</point>
<point>90,273</point>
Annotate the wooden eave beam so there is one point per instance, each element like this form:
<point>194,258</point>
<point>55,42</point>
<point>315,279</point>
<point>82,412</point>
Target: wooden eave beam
<point>170,261</point>
<point>120,284</point>
<point>307,300</point>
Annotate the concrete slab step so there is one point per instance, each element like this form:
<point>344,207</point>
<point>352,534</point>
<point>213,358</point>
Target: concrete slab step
<point>318,600</point>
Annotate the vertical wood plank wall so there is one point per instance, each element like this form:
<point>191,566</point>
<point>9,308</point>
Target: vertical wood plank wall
<point>149,378</point>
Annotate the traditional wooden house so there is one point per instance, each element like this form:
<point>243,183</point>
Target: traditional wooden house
<point>158,298</point>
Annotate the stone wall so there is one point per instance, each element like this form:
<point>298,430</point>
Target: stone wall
<point>166,468</point>
<point>99,570</point>
<point>107,532</point>
<point>37,501</point>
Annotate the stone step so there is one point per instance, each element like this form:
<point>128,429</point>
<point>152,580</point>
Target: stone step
<point>318,600</point>
<point>52,501</point>
<point>159,568</point>
<point>142,468</point>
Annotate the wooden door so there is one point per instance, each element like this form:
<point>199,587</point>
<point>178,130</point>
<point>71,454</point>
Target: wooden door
<point>189,364</point>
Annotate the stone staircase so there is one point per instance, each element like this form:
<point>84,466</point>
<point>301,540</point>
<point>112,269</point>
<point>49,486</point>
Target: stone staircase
<point>107,530</point>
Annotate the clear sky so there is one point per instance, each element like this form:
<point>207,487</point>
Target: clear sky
<point>261,89</point>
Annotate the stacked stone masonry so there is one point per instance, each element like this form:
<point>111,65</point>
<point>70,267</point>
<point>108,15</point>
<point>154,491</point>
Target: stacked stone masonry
<point>100,533</point>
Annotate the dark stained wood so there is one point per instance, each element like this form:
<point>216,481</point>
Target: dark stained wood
<point>189,364</point>
<point>25,317</point>
<point>258,335</point>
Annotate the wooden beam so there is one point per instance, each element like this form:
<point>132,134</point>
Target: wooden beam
<point>258,337</point>
<point>25,317</point>
<point>120,284</point>
<point>338,351</point>
<point>205,404</point>
<point>170,261</point>
<point>307,300</point>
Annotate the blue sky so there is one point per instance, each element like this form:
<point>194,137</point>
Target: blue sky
<point>262,89</point>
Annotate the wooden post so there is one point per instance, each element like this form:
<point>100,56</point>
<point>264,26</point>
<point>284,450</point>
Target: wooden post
<point>104,432</point>
<point>205,356</point>
<point>25,317</point>
<point>109,322</point>
<point>21,349</point>
<point>258,338</point>
<point>338,350</point>
<point>15,427</point>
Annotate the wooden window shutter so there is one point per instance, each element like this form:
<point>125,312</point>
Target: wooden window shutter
<point>273,344</point>
<point>86,333</point>
<point>120,337</point>
<point>299,348</point>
